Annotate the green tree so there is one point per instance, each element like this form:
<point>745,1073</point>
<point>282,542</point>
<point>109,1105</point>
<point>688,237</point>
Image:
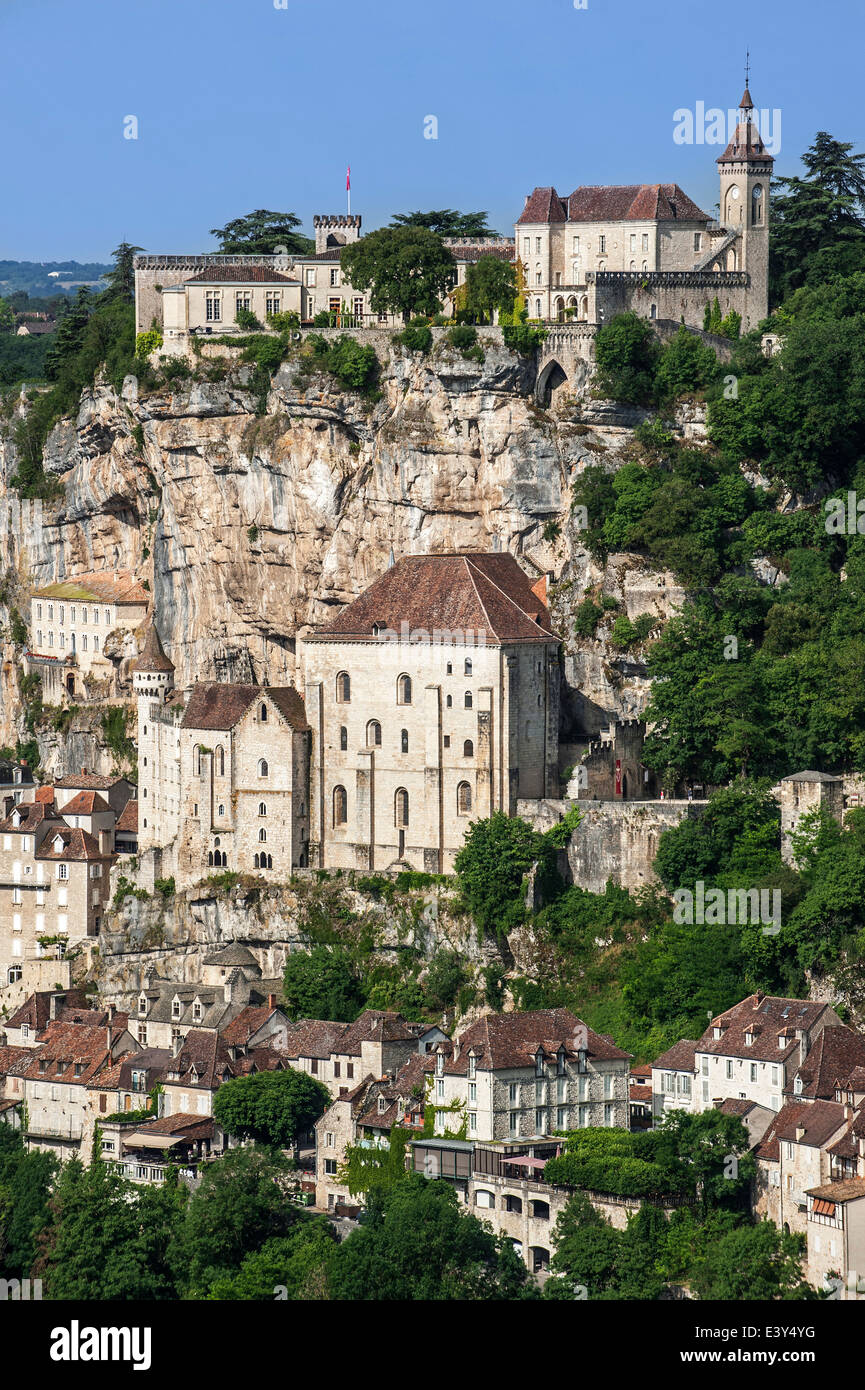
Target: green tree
<point>297,1264</point>
<point>496,855</point>
<point>818,226</point>
<point>407,270</point>
<point>490,287</point>
<point>322,983</point>
<point>418,1244</point>
<point>263,233</point>
<point>120,280</point>
<point>446,223</point>
<point>626,353</point>
<point>756,1263</point>
<point>273,1107</point>
<point>7,317</point>
<point>239,1204</point>
<point>26,1180</point>
<point>714,1148</point>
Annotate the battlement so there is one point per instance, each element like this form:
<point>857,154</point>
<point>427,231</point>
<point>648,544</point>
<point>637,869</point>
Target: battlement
<point>335,229</point>
<point>703,279</point>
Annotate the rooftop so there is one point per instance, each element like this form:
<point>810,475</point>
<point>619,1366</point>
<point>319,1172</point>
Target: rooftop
<point>119,587</point>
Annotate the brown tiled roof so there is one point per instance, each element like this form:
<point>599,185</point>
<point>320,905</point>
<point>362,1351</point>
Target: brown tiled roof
<point>221,706</point>
<point>855,1081</point>
<point>88,781</point>
<point>483,593</point>
<point>641,1093</point>
<point>36,1009</point>
<point>312,1037</point>
<point>67,1045</point>
<point>77,845</point>
<point>820,1119</point>
<point>769,1017</point>
<point>152,655</point>
<point>374,1025</point>
<point>512,1040</point>
<point>247,1023</point>
<point>476,253</point>
<point>835,1053</point>
<point>679,1057</point>
<point>633,202</point>
<point>745,144</point>
<point>117,587</point>
<point>207,1053</point>
<point>543,205</point>
<point>33,814</point>
<point>239,275</point>
<point>848,1190</point>
<point>152,1060</point>
<point>44,796</point>
<point>642,1069</point>
<point>178,1124</point>
<point>85,804</point>
<point>734,1105</point>
<point>11,1057</point>
<point>128,818</point>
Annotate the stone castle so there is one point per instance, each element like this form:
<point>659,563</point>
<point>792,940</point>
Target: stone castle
<point>585,257</point>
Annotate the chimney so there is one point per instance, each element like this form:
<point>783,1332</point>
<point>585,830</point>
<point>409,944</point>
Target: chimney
<point>56,1005</point>
<point>800,1133</point>
<point>106,842</point>
<point>84,772</point>
<point>758,998</point>
<point>110,1030</point>
<point>271,1001</point>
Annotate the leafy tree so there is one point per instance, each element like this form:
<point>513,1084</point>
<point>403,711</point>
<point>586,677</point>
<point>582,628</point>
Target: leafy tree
<point>297,1263</point>
<point>586,1248</point>
<point>445,975</point>
<point>446,223</point>
<point>25,1186</point>
<point>754,1263</point>
<point>239,1204</point>
<point>686,365</point>
<point>263,233</point>
<point>322,983</point>
<point>120,279</point>
<point>407,269</point>
<point>417,1243</point>
<point>107,1239</point>
<point>273,1107</point>
<point>490,286</point>
<point>714,1149</point>
<point>7,317</point>
<point>496,855</point>
<point>626,353</point>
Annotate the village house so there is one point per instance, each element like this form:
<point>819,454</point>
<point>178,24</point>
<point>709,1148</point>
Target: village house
<point>165,1010</point>
<point>529,1075</point>
<point>672,1079</point>
<point>77,629</point>
<point>142,1152</point>
<point>340,1055</point>
<point>433,700</point>
<point>200,1065</point>
<point>24,1027</point>
<point>116,791</point>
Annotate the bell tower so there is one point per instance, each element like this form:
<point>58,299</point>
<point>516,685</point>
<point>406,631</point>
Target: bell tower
<point>745,169</point>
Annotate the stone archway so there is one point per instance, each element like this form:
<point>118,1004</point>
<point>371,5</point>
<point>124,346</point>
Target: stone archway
<point>550,378</point>
<point>560,310</point>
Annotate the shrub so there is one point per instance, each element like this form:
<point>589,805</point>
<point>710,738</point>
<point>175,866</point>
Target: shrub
<point>523,337</point>
<point>175,368</point>
<point>148,342</point>
<point>246,319</point>
<point>416,336</point>
<point>587,617</point>
<point>626,352</point>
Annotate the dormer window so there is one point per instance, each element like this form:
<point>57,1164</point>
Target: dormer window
<point>440,1064</point>
<point>175,1008</point>
<point>539,1062</point>
<point>749,1038</point>
<point>196,1011</point>
<point>717,1033</point>
<point>473,1066</point>
<point>797,1086</point>
<point>560,1062</point>
<point>382,1105</point>
<point>142,1004</point>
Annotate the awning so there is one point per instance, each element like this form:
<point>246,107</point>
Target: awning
<point>525,1161</point>
<point>154,1141</point>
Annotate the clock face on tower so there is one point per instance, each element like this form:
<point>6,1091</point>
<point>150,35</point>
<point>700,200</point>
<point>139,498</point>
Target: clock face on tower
<point>734,192</point>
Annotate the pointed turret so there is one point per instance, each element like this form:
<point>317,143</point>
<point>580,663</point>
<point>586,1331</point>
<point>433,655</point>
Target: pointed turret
<point>152,671</point>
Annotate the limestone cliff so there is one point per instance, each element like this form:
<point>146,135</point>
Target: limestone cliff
<point>247,527</point>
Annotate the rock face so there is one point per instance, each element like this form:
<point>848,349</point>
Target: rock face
<point>248,527</point>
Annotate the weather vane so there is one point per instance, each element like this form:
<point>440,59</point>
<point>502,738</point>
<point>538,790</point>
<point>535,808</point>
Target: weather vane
<point>747,65</point>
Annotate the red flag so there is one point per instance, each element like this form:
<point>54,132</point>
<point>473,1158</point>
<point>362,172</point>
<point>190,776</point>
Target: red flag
<point>348,178</point>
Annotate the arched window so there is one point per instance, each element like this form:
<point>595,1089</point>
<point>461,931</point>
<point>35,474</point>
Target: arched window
<point>468,699</point>
<point>757,205</point>
<point>343,688</point>
<point>468,749</point>
<point>401,809</point>
<point>262,836</point>
<point>468,666</point>
<point>83,641</point>
<point>196,760</point>
<point>220,760</point>
<point>262,808</point>
<point>449,699</point>
<point>403,741</point>
<point>269,858</point>
<point>403,690</point>
<point>464,799</point>
<point>95,643</point>
<point>255,861</point>
<point>210,859</point>
<point>262,713</point>
<point>340,806</point>
<point>262,767</point>
<point>373,734</point>
<point>217,841</point>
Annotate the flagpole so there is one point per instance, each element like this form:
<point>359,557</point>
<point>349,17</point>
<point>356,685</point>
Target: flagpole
<point>348,188</point>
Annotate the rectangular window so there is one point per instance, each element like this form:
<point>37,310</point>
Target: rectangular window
<point>334,277</point>
<point>310,276</point>
<point>330,1167</point>
<point>513,1093</point>
<point>753,1071</point>
<point>527,251</point>
<point>698,241</point>
<point>473,1093</point>
<point>313,1066</point>
<point>540,1121</point>
<point>336,1068</point>
<point>473,1122</point>
<point>349,1070</point>
<point>440,1090</point>
<point>561,1117</point>
<point>609,1115</point>
<point>62,871</point>
<point>272,303</point>
<point>645,241</point>
<point>729,1070</point>
<point>633,241</point>
<point>602,245</point>
<point>213,310</point>
<point>514,1124</point>
<point>538,244</point>
<point>608,1087</point>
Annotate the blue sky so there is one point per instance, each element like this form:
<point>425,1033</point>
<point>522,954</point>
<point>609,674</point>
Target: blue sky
<point>242,105</point>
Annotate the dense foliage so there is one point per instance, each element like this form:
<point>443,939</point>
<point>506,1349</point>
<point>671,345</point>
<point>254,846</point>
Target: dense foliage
<point>272,1107</point>
<point>407,269</point>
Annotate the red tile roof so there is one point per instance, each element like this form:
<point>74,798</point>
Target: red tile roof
<point>679,1057</point>
<point>44,796</point>
<point>771,1019</point>
<point>745,144</point>
<point>63,1048</point>
<point>33,814</point>
<point>512,1040</point>
<point>85,804</point>
<point>633,202</point>
<point>239,275</point>
<point>152,655</point>
<point>77,845</point>
<point>485,594</point>
<point>247,1023</point>
<point>87,781</point>
<point>128,818</point>
<point>543,205</point>
<point>36,1009</point>
<point>819,1119</point>
<point>835,1053</point>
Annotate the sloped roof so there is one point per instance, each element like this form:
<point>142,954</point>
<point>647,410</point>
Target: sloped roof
<point>247,1023</point>
<point>33,814</point>
<point>512,1040</point>
<point>221,706</point>
<point>679,1057</point>
<point>543,205</point>
<point>87,781</point>
<point>86,804</point>
<point>36,1009</point>
<point>152,655</point>
<point>633,202</point>
<point>834,1054</point>
<point>235,954</point>
<point>375,1025</point>
<point>819,1119</point>
<point>768,1017</point>
<point>118,587</point>
<point>128,819</point>
<point>312,1037</point>
<point>482,593</point>
<point>77,844</point>
<point>239,275</point>
<point>745,144</point>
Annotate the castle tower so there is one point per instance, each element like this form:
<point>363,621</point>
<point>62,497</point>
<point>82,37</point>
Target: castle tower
<point>332,230</point>
<point>153,681</point>
<point>745,169</point>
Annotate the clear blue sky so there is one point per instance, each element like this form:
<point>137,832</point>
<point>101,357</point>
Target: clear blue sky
<point>243,105</point>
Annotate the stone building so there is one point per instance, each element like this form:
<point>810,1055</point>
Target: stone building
<point>648,247</point>
<point>527,1075</point>
<point>802,794</point>
<point>54,887</point>
<point>224,776</point>
<point>77,630</point>
<point>433,700</point>
<point>210,300</point>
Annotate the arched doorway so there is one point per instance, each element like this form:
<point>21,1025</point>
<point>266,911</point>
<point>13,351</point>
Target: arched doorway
<point>560,310</point>
<point>70,684</point>
<point>550,379</point>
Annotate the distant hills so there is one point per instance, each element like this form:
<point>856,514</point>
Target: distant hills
<point>44,278</point>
